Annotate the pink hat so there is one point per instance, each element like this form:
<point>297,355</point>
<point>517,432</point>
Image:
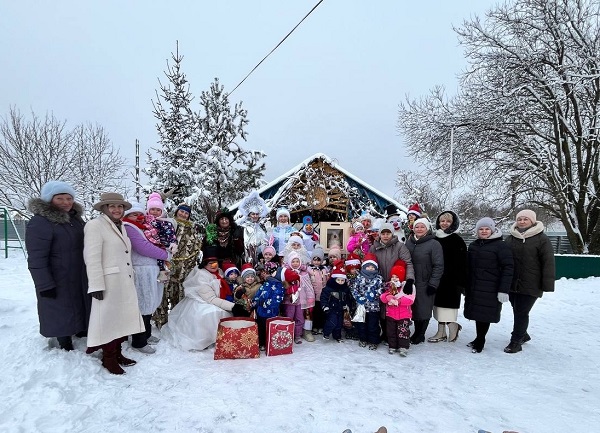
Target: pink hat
<point>270,249</point>
<point>335,250</point>
<point>528,213</point>
<point>155,201</point>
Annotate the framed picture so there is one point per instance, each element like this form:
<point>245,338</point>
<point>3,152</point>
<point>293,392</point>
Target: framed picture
<point>334,234</point>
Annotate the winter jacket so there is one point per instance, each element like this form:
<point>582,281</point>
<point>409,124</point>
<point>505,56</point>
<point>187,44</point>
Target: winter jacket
<point>318,277</point>
<point>454,278</point>
<point>280,236</point>
<point>491,267</point>
<point>366,291</point>
<point>54,242</point>
<point>404,308</point>
<point>107,253</point>
<point>533,256</point>
<point>305,287</point>
<point>269,297</point>
<point>143,257</point>
<point>428,261</point>
<point>388,253</point>
<point>335,296</point>
<point>360,241</point>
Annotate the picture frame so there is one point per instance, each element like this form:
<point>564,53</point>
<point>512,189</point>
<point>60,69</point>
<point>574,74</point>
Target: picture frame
<point>334,233</point>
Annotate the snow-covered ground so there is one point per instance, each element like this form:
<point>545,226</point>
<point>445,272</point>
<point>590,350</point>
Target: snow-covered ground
<point>553,385</point>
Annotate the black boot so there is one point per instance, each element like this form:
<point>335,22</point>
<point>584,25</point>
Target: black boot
<point>65,343</point>
<point>418,336</point>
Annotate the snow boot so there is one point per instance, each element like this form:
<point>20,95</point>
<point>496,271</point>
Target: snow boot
<point>454,328</point>
<point>440,335</point>
<point>109,359</point>
<point>307,334</point>
<point>526,338</point>
<point>125,362</point>
<point>478,345</point>
<point>513,347</point>
<point>419,335</point>
<point>65,343</point>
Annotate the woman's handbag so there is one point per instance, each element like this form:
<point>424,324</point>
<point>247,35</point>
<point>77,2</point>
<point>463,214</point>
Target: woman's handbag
<point>237,338</point>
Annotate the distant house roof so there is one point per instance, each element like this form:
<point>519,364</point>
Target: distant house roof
<point>318,186</point>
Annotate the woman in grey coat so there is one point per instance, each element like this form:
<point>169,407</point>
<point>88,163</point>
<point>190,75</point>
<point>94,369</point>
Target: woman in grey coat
<point>428,261</point>
<point>54,241</point>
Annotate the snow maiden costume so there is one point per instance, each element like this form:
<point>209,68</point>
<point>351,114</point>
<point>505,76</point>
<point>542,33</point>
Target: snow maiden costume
<point>253,209</point>
<point>282,232</point>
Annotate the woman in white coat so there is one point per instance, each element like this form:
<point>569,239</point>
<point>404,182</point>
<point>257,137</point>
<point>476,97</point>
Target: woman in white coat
<point>194,321</point>
<point>107,253</point>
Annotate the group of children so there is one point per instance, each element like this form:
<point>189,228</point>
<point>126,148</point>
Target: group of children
<point>325,298</point>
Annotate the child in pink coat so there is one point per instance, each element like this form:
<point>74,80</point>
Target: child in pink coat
<point>359,241</point>
<point>398,311</point>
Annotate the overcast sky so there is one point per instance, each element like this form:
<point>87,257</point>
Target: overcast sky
<point>332,87</point>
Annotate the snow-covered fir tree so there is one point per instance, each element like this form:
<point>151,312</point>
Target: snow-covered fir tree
<point>177,127</point>
<point>224,172</point>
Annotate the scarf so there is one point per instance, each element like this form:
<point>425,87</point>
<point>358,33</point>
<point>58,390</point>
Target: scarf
<point>223,236</point>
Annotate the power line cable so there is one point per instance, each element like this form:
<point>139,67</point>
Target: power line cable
<point>277,46</point>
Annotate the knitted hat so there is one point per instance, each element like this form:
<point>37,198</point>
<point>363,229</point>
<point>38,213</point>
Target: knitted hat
<point>135,207</point>
<point>155,201</point>
<point>485,222</point>
<point>423,221</point>
<point>414,209</point>
<point>295,239</point>
<point>352,262</point>
<point>55,187</point>
<point>229,267</point>
<point>291,256</point>
<point>365,216</point>
<point>282,211</point>
<point>386,226</point>
<point>307,220</point>
<point>357,225</point>
<point>285,274</point>
<point>248,270</point>
<point>184,207</point>
<point>370,259</point>
<point>338,270</point>
<point>399,271</point>
<point>270,249</point>
<point>335,251</point>
<point>318,252</point>
<point>528,213</point>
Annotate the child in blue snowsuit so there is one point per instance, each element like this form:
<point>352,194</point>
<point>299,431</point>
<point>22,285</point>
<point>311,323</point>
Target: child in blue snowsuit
<point>366,290</point>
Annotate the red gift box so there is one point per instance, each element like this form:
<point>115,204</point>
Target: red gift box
<point>237,338</point>
<point>280,336</point>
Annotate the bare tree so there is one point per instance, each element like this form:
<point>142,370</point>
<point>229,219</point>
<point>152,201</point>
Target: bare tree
<point>526,119</point>
<point>35,151</point>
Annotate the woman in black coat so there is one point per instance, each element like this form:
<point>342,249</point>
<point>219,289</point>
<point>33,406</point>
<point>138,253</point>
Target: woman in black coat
<point>54,242</point>
<point>490,275</point>
<point>229,239</point>
<point>534,272</point>
<point>454,278</point>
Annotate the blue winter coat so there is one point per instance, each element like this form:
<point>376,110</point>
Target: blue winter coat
<point>367,291</point>
<point>54,241</point>
<point>268,298</point>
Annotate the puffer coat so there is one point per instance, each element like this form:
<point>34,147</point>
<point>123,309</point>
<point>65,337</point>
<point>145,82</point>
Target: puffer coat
<point>491,268</point>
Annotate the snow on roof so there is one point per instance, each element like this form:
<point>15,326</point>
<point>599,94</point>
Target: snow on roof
<point>302,165</point>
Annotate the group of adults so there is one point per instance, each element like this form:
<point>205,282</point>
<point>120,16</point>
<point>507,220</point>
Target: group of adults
<point>99,279</point>
<point>87,275</point>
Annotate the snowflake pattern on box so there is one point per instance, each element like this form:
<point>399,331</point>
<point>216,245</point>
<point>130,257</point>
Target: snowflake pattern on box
<point>237,343</point>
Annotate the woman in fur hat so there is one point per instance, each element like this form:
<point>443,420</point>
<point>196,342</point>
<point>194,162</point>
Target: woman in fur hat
<point>54,242</point>
<point>115,312</point>
<point>229,238</point>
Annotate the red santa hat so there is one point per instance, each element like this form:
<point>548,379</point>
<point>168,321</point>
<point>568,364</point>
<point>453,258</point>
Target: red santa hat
<point>247,269</point>
<point>338,270</point>
<point>352,262</point>
<point>370,259</point>
<point>229,267</point>
<point>415,209</point>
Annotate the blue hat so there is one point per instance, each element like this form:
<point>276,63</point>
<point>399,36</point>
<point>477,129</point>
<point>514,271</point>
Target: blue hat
<point>54,187</point>
<point>307,220</point>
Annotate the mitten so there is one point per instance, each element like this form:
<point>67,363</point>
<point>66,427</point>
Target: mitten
<point>408,286</point>
<point>502,297</point>
<point>50,293</point>
<point>430,290</point>
<point>237,310</point>
<point>240,292</point>
<point>98,295</point>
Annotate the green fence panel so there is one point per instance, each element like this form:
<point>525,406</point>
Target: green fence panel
<point>577,266</point>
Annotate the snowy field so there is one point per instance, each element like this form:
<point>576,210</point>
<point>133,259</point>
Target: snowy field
<point>553,385</point>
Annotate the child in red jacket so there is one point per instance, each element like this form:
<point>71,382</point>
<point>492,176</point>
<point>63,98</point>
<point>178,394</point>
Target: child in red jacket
<point>398,312</point>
